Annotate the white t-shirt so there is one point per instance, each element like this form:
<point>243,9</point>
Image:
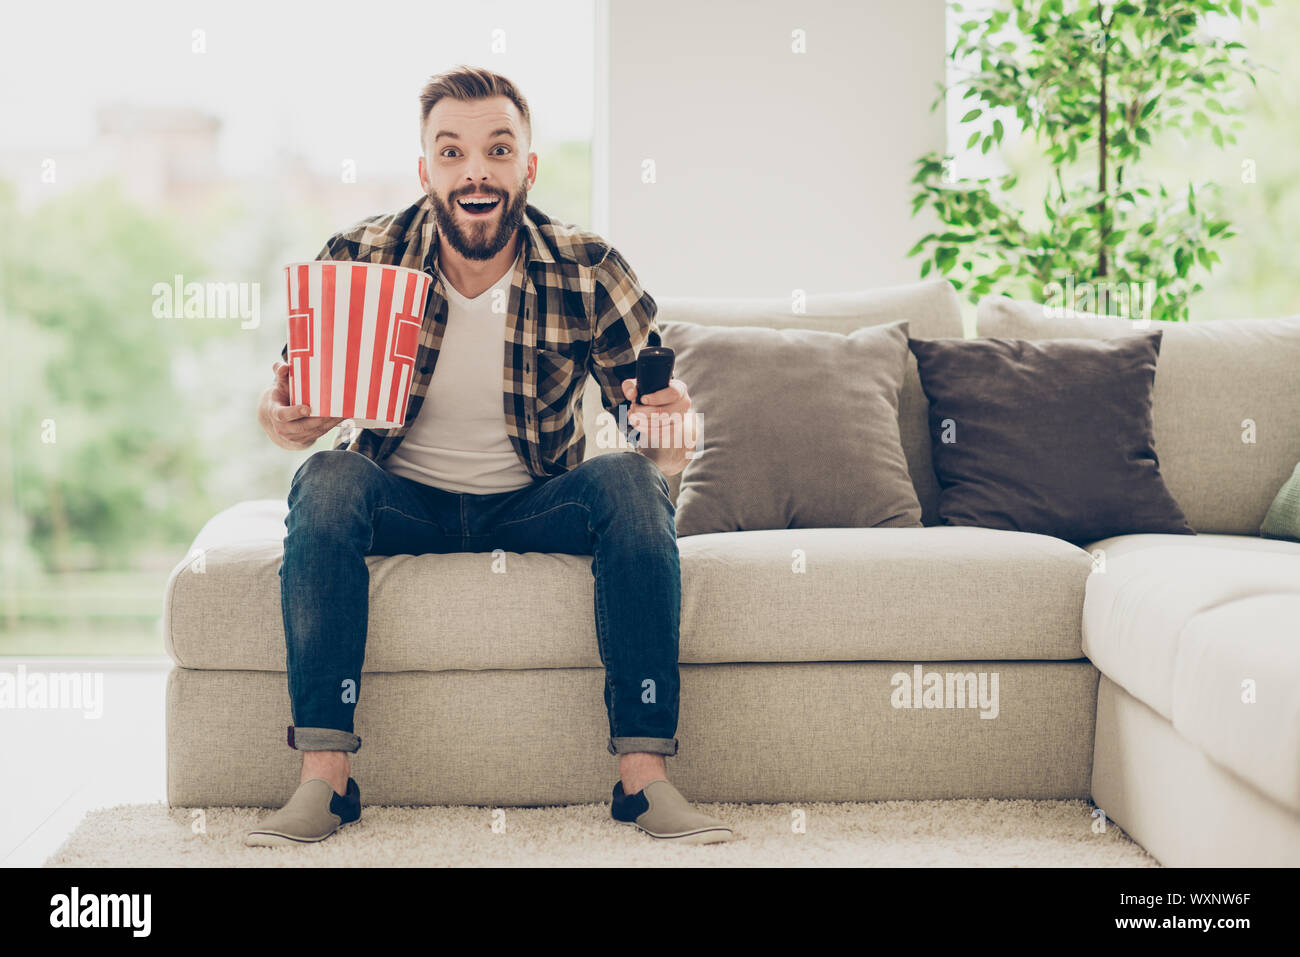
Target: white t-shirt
<point>458,440</point>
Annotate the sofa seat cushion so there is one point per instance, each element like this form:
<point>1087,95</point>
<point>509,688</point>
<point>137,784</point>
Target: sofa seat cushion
<point>1234,690</point>
<point>828,594</point>
<point>1118,545</point>
<point>1139,603</point>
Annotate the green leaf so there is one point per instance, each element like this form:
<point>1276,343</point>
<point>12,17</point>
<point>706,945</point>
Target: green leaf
<point>1142,135</point>
<point>974,138</point>
<point>997,130</point>
<point>988,142</point>
<point>925,268</point>
<point>972,115</point>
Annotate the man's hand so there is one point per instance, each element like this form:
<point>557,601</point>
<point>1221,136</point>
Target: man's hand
<point>669,430</point>
<point>289,426</point>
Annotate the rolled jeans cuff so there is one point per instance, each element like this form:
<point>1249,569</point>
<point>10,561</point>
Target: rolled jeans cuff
<point>323,739</point>
<point>664,746</point>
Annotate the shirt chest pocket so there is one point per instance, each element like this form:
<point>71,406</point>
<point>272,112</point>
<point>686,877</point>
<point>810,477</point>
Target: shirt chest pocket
<point>558,375</point>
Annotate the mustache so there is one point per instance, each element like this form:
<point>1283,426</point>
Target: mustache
<point>479,192</point>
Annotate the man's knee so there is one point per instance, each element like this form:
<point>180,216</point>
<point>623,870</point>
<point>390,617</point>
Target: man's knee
<point>627,470</point>
<point>630,487</point>
<point>332,476</point>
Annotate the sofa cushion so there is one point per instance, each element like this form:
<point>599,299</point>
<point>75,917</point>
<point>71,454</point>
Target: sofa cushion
<point>1252,729</point>
<point>827,594</point>
<point>931,309</point>
<point>1107,548</point>
<point>1225,404</point>
<point>1139,603</point>
<point>1283,518</point>
<point>1052,437</point>
<point>799,429</point>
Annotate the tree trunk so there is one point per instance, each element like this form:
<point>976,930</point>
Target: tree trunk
<point>1102,145</point>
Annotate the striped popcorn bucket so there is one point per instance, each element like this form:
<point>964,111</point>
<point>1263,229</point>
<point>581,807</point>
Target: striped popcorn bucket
<point>354,329</point>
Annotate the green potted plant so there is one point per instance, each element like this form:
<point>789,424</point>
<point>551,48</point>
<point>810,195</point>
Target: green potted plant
<point>1092,83</point>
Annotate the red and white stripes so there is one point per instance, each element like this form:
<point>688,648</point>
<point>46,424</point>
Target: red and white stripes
<point>354,331</point>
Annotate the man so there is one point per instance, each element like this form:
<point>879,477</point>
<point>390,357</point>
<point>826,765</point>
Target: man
<point>476,468</point>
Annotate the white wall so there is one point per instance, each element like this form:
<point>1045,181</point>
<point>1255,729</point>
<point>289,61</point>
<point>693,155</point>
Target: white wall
<point>775,170</point>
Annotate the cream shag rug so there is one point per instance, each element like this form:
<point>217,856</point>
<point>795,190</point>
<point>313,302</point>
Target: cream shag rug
<point>962,833</point>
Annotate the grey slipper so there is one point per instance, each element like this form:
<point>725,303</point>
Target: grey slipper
<point>313,813</point>
<point>660,810</point>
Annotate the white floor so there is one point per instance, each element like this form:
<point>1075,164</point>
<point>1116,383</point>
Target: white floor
<point>59,764</point>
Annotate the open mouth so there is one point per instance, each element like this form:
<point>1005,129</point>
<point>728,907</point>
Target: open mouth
<point>478,207</point>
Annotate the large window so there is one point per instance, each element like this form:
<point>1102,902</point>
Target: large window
<point>1255,177</point>
<point>211,146</point>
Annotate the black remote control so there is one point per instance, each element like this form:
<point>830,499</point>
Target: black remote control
<point>654,367</point>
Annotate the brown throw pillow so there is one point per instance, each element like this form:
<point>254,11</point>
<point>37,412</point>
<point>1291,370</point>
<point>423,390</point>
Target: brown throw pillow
<point>799,429</point>
<point>1052,436</point>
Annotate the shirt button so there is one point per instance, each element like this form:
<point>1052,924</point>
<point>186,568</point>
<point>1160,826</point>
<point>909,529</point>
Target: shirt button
<point>527,367</point>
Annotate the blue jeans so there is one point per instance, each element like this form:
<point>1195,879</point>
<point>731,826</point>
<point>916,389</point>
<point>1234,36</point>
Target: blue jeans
<point>614,507</point>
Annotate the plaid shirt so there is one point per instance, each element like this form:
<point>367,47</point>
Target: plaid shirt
<point>575,308</point>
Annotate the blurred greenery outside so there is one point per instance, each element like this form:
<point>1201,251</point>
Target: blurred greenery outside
<point>124,433</point>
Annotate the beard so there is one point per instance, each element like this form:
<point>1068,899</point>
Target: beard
<point>481,240</point>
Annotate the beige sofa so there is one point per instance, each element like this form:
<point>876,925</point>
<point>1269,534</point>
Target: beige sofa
<point>1197,749</point>
<point>485,689</point>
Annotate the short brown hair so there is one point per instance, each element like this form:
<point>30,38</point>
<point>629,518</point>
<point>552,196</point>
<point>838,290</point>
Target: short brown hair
<point>472,83</point>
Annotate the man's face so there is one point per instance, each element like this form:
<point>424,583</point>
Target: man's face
<point>477,149</point>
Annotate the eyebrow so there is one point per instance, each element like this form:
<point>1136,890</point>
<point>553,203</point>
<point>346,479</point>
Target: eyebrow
<point>504,131</point>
